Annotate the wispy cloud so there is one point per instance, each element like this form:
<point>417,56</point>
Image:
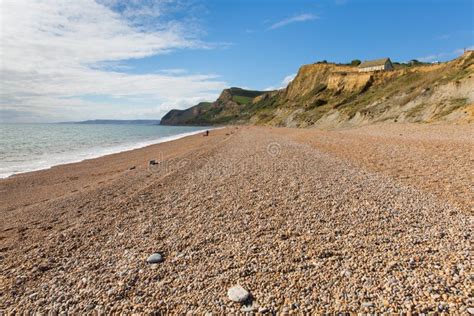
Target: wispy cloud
<point>443,37</point>
<point>174,71</point>
<point>294,19</point>
<point>463,34</point>
<point>55,52</point>
<point>461,50</point>
<point>444,55</point>
<point>284,83</point>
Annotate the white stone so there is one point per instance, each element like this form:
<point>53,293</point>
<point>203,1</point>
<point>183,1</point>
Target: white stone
<point>248,309</point>
<point>238,294</point>
<point>155,258</point>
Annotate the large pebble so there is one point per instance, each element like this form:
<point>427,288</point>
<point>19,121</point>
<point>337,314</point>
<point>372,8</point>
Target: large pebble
<point>248,309</point>
<point>155,258</point>
<point>238,294</point>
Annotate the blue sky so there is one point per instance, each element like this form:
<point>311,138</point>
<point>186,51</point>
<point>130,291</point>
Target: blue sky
<point>258,56</point>
<point>139,59</point>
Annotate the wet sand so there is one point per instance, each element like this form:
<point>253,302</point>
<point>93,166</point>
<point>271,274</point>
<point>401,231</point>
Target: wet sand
<point>377,218</point>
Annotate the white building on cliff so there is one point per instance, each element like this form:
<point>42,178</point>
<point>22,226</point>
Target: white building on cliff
<point>376,65</point>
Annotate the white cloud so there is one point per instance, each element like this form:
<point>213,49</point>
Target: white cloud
<point>294,19</point>
<point>284,83</point>
<point>461,50</point>
<point>444,55</point>
<point>174,71</point>
<point>431,58</point>
<point>54,52</point>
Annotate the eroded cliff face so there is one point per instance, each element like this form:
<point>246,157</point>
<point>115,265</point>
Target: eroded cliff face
<point>313,78</point>
<point>329,95</point>
<point>349,82</point>
<point>308,79</point>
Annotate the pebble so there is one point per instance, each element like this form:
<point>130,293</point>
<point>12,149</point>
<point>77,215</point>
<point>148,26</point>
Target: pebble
<point>247,309</point>
<point>238,294</point>
<point>155,258</point>
<point>367,304</point>
<point>263,310</point>
<point>33,296</point>
<point>470,310</point>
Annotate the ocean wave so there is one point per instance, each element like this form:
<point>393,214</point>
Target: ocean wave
<point>72,157</point>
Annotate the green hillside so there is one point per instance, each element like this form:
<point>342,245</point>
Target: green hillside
<point>227,108</point>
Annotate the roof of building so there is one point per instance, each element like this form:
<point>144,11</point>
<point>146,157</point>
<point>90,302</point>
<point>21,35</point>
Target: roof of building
<point>374,63</point>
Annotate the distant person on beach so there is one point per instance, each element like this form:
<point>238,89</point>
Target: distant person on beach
<point>206,133</point>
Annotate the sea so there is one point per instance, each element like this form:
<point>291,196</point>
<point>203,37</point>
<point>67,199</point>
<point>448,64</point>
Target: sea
<point>30,147</point>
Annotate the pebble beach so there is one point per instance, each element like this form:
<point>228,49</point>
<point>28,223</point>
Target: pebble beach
<point>248,220</point>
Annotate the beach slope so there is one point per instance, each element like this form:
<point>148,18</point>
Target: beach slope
<point>376,218</point>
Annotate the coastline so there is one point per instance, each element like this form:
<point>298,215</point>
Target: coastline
<point>101,152</point>
<point>276,210</point>
<point>63,179</point>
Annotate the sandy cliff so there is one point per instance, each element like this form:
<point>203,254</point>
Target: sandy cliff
<point>334,95</point>
<point>331,95</point>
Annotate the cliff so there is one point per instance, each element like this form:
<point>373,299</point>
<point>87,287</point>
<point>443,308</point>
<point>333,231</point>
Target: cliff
<point>227,108</point>
<point>330,95</point>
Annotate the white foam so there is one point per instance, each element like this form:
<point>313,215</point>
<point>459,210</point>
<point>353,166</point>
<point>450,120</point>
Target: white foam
<point>61,159</point>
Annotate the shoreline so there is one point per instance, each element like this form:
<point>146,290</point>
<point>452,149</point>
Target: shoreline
<point>67,179</point>
<point>276,210</point>
<point>105,152</point>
